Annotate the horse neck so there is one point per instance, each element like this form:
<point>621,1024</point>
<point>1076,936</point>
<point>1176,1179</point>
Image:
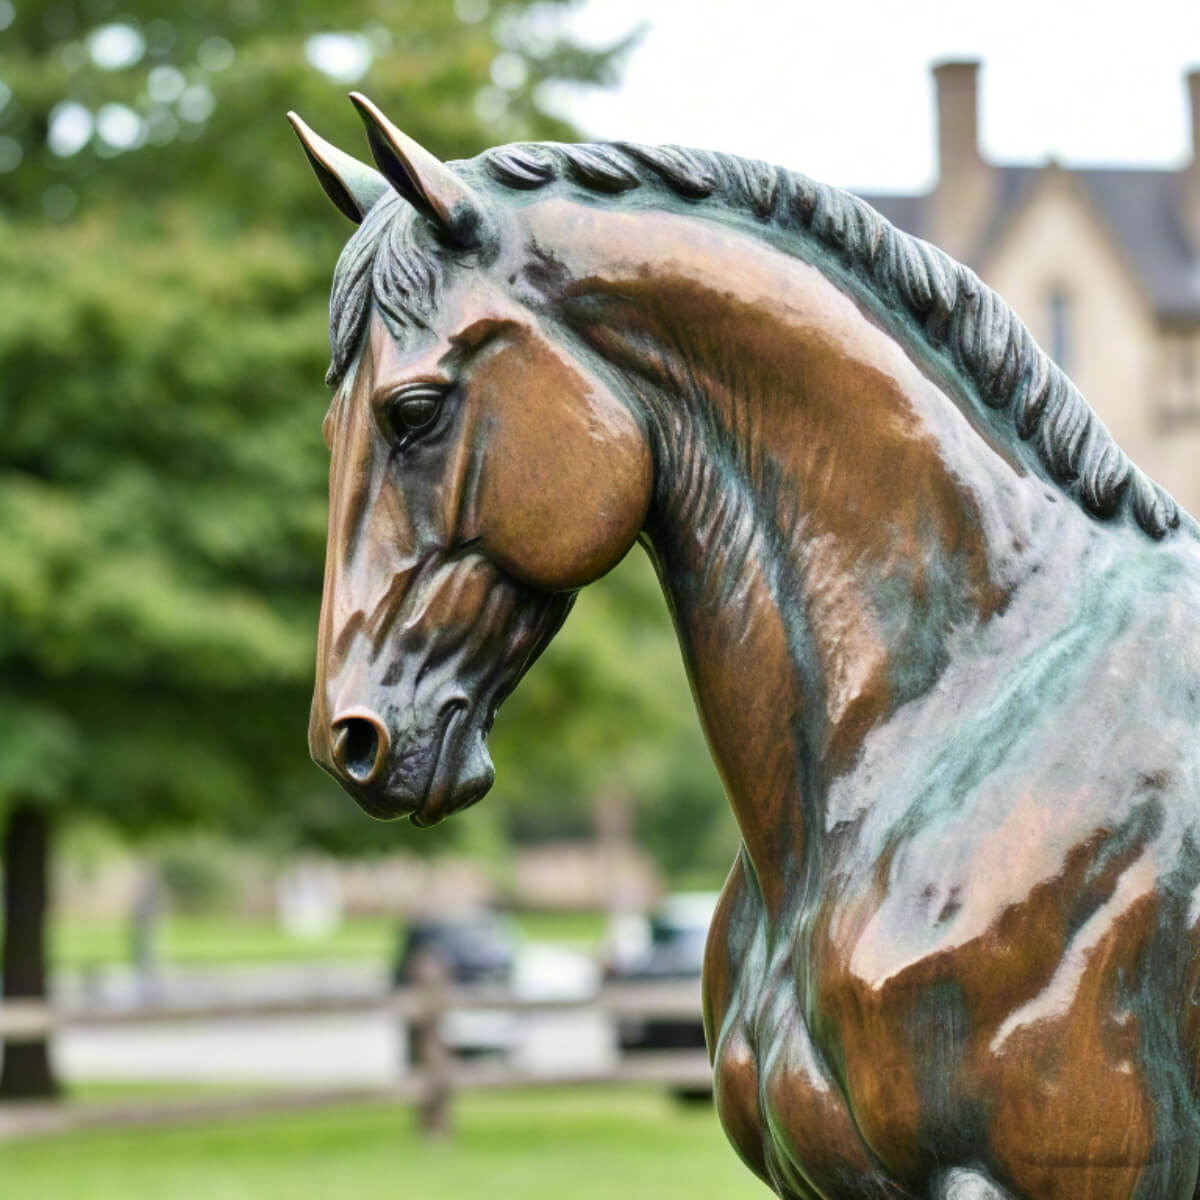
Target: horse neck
<point>827,517</point>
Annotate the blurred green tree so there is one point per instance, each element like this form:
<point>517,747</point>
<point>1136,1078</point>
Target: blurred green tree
<point>164,266</point>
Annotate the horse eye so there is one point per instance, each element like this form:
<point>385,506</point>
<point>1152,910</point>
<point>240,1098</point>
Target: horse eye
<point>414,409</point>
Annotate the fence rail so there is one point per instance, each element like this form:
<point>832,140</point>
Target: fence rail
<point>26,1020</point>
<point>430,1084</point>
<point>29,1021</point>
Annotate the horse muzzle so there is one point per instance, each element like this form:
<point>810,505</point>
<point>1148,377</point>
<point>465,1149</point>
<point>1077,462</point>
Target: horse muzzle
<point>424,769</point>
<point>400,719</point>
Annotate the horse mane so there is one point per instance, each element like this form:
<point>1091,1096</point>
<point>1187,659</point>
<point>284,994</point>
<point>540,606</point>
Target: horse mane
<point>388,263</point>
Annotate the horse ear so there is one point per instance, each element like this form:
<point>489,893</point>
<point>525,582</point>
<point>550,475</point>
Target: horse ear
<point>351,185</point>
<point>456,211</point>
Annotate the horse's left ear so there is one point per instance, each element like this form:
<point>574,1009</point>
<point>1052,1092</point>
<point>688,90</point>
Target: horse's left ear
<point>456,211</point>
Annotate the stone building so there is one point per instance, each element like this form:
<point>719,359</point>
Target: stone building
<point>1102,264</point>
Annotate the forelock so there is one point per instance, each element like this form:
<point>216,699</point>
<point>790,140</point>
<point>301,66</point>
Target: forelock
<point>388,265</point>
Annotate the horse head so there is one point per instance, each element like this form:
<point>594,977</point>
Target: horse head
<point>480,475</point>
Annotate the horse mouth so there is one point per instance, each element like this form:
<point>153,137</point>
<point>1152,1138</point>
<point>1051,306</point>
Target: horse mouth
<point>462,769</point>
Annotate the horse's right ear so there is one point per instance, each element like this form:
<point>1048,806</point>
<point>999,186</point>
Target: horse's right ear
<point>351,185</point>
<point>432,188</point>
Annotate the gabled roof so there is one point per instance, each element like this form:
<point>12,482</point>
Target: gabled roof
<point>1140,208</point>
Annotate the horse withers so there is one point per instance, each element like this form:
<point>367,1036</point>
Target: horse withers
<point>939,630</point>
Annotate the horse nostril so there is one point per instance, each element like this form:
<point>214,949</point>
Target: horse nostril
<point>359,745</point>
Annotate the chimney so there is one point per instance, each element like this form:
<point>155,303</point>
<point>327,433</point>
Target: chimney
<point>1189,208</point>
<point>962,199</point>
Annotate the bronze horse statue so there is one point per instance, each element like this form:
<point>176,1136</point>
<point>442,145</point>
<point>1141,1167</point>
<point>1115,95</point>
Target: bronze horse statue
<point>940,630</point>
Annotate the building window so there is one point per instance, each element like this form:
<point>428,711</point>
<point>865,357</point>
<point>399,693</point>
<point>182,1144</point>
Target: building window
<point>1059,319</point>
<point>1179,406</point>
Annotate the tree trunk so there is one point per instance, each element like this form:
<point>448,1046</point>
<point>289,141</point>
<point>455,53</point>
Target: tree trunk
<point>26,1073</point>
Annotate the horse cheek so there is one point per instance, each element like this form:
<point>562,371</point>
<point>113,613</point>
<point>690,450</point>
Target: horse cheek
<point>564,495</point>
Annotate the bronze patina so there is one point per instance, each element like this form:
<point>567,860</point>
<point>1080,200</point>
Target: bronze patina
<point>940,631</point>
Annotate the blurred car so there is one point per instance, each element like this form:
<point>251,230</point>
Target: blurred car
<point>475,946</point>
<point>480,946</point>
<point>673,948</point>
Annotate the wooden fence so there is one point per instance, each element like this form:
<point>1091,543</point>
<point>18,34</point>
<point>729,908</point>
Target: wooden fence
<point>429,1084</point>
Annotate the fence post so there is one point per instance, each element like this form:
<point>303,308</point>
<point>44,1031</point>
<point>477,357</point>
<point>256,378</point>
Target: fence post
<point>430,1055</point>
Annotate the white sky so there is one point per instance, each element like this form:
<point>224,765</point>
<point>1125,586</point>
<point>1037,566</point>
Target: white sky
<point>840,89</point>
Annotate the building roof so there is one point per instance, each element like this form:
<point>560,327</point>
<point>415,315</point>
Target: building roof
<point>1140,208</point>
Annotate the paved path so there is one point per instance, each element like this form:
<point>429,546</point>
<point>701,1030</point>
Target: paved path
<point>334,1050</point>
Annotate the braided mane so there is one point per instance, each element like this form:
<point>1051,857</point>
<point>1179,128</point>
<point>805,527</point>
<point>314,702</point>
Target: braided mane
<point>945,303</point>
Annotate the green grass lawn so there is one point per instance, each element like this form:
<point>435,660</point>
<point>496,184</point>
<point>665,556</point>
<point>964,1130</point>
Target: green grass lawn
<point>194,940</point>
<point>580,1144</point>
